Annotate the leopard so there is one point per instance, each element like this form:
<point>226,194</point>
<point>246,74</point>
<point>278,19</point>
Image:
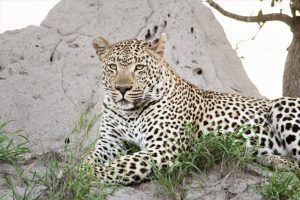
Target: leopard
<point>148,104</point>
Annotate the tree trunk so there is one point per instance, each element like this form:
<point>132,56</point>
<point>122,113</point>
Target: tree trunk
<point>291,76</point>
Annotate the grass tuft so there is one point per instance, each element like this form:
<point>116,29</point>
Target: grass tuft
<point>10,150</point>
<point>74,180</point>
<point>228,150</point>
<point>281,186</point>
<point>70,183</point>
<point>69,179</point>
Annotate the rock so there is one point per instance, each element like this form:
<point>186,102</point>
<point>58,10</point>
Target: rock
<point>206,186</point>
<point>234,185</point>
<point>145,191</point>
<point>49,75</point>
<point>248,196</point>
<point>240,185</point>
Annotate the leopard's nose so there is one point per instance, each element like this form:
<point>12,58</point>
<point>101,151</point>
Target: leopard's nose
<point>123,89</point>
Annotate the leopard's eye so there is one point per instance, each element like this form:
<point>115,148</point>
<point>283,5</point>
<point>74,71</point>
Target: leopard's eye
<point>112,66</point>
<point>139,67</point>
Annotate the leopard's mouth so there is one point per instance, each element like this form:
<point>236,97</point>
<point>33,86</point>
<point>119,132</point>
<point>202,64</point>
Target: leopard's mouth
<point>123,102</point>
<point>125,105</point>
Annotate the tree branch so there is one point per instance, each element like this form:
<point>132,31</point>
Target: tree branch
<point>296,4</point>
<point>259,18</point>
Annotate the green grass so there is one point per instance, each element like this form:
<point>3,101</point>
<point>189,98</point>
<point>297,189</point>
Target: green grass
<point>70,183</point>
<point>61,183</point>
<point>69,179</point>
<point>28,192</point>
<point>206,151</point>
<point>281,186</point>
<point>10,149</point>
<point>74,180</point>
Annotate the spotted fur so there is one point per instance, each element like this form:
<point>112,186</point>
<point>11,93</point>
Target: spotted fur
<point>148,104</point>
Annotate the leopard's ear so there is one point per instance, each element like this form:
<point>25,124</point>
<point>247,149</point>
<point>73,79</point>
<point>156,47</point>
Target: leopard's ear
<point>158,45</point>
<point>101,46</point>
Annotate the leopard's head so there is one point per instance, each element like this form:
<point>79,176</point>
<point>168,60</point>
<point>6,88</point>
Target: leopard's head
<point>132,70</point>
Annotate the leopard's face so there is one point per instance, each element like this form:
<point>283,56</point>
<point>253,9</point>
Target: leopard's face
<point>131,73</point>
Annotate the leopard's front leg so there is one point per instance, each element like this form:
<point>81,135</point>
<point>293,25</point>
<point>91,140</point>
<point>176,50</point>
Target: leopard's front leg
<point>106,150</point>
<point>126,169</point>
<point>134,168</point>
<point>111,143</point>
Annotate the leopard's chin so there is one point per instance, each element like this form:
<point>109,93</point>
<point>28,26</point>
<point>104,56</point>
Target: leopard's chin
<point>125,105</point>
